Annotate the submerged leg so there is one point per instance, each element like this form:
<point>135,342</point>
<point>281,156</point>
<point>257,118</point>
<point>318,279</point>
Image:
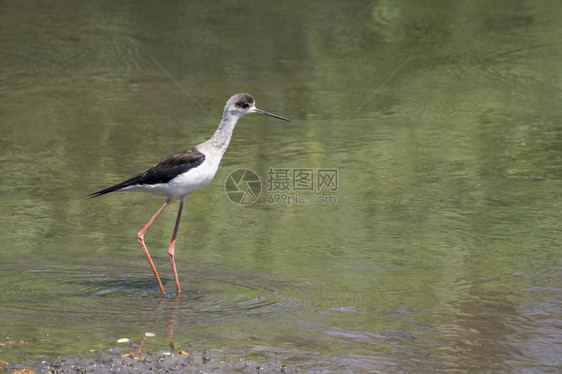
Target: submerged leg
<point>172,244</point>
<point>140,237</point>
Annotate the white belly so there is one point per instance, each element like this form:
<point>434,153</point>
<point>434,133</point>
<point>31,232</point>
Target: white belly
<point>194,179</point>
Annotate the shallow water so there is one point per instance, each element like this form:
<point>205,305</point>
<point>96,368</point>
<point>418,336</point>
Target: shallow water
<point>435,248</point>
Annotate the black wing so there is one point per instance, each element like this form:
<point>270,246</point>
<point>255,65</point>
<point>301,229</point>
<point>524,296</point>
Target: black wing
<point>162,172</point>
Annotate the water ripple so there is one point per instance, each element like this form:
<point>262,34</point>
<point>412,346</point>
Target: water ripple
<point>205,300</point>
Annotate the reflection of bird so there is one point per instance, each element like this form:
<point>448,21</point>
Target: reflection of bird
<point>187,171</point>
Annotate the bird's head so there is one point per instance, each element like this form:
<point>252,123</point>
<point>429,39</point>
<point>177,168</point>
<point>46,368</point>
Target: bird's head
<point>244,103</point>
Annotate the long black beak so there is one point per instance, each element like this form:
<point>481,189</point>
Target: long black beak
<point>259,111</point>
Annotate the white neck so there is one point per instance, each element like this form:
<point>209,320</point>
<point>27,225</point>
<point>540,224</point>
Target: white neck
<point>221,137</point>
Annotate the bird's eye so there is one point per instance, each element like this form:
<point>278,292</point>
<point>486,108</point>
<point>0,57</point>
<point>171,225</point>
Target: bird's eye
<point>244,104</point>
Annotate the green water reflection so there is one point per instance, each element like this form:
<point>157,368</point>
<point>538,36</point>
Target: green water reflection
<point>442,119</point>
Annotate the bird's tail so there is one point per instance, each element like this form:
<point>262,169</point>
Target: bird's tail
<point>104,191</point>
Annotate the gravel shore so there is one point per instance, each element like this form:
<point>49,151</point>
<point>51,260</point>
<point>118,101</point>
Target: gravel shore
<point>115,360</point>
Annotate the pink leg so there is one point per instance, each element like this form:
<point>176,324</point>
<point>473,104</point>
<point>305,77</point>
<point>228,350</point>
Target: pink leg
<point>140,237</point>
<point>172,244</point>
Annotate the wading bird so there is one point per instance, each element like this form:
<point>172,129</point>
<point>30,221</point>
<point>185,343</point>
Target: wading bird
<point>187,171</point>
